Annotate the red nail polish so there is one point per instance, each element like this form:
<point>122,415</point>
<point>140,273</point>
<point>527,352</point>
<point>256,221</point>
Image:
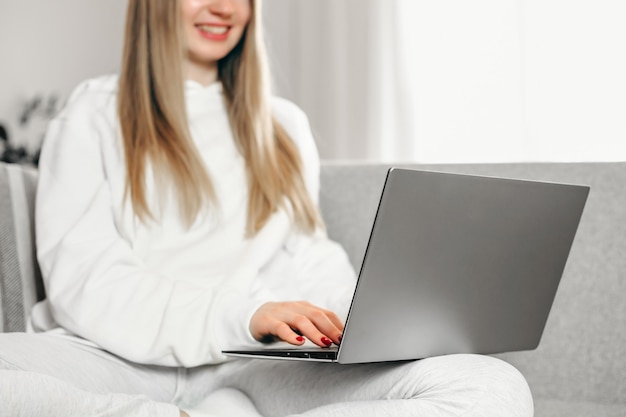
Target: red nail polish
<point>300,339</point>
<point>326,341</point>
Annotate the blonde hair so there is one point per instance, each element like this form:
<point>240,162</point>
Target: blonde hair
<point>153,121</point>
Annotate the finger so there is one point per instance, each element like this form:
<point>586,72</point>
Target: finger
<point>292,319</point>
<point>335,319</point>
<point>326,322</point>
<point>283,331</point>
<point>310,330</point>
<point>266,324</point>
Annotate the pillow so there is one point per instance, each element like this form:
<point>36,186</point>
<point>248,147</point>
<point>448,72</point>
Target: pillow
<point>20,279</point>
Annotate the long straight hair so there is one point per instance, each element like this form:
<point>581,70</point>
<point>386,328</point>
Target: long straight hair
<point>155,132</point>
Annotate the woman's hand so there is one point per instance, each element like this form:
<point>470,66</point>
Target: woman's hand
<point>293,321</point>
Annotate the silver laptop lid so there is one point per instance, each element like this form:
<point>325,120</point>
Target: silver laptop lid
<point>459,263</point>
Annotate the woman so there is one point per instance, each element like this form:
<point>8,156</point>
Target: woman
<point>177,215</point>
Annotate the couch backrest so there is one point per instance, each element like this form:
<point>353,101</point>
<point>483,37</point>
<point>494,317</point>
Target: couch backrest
<point>20,279</point>
<point>582,354</point>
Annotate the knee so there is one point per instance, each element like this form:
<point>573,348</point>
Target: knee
<point>505,389</point>
<point>478,385</point>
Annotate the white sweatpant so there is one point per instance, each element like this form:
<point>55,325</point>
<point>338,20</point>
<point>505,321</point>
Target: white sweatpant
<point>54,375</point>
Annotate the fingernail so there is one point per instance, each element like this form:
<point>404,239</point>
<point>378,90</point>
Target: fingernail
<point>326,341</point>
<point>300,339</point>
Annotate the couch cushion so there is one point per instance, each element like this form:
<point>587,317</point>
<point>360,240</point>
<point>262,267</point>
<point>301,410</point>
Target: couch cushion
<point>20,280</point>
<point>557,408</point>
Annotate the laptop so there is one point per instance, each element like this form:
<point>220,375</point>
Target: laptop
<point>454,264</point>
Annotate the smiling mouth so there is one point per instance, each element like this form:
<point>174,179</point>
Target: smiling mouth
<point>214,30</point>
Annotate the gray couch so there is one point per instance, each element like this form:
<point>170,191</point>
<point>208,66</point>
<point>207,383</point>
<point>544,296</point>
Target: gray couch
<point>579,368</point>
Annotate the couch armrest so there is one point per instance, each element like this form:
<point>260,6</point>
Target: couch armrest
<point>20,279</point>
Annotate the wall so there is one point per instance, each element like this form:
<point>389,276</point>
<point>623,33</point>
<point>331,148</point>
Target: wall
<point>50,46</point>
<point>320,53</point>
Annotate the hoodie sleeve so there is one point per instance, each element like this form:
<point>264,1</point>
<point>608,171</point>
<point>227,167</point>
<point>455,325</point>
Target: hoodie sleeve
<point>97,287</point>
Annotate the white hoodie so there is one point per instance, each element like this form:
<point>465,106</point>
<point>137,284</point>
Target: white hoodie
<point>155,292</point>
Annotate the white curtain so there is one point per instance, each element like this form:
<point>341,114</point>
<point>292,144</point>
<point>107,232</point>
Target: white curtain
<point>337,60</point>
<point>454,80</point>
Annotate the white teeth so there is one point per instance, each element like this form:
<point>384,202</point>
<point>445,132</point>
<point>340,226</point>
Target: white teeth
<point>217,30</point>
